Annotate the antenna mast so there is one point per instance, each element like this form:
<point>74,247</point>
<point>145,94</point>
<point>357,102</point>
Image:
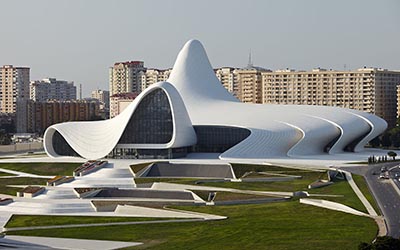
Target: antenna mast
<point>250,63</point>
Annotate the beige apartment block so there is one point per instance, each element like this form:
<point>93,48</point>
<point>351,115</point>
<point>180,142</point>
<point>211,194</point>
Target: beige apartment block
<point>249,82</point>
<point>103,96</point>
<point>151,76</point>
<point>119,102</point>
<point>35,116</point>
<point>14,87</point>
<point>368,89</point>
<point>124,77</point>
<point>228,78</point>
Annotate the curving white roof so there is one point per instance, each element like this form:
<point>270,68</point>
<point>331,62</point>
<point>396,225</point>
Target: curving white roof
<point>198,98</point>
<point>274,127</point>
<point>96,139</point>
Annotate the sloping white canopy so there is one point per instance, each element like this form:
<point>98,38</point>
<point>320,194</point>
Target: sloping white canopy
<point>96,139</point>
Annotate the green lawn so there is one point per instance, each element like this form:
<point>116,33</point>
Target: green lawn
<point>189,181</point>
<point>137,167</point>
<point>229,196</point>
<point>241,169</point>
<point>18,181</point>
<point>47,220</point>
<point>363,186</point>
<point>284,186</point>
<point>42,168</point>
<point>342,188</point>
<point>286,225</point>
<point>281,225</point>
<point>338,188</point>
<point>6,174</point>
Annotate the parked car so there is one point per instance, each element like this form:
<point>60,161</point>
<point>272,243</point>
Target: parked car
<point>384,175</point>
<point>383,169</point>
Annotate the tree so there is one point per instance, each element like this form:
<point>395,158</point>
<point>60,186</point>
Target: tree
<point>385,140</point>
<point>364,246</point>
<point>376,142</point>
<point>395,138</point>
<point>5,138</point>
<point>392,154</point>
<point>381,243</point>
<point>8,127</point>
<point>394,135</point>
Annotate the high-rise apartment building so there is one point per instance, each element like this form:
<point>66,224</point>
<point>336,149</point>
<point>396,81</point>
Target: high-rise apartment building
<point>14,87</point>
<point>368,89</point>
<point>119,102</point>
<point>103,96</point>
<point>249,82</point>
<point>124,77</point>
<point>150,76</point>
<point>229,79</point>
<point>52,89</point>
<point>37,116</point>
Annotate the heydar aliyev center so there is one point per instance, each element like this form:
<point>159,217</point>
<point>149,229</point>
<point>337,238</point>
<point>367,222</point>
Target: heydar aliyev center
<point>193,112</point>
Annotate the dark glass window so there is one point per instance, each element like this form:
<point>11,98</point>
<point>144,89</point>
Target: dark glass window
<point>151,123</point>
<point>331,143</point>
<point>352,145</point>
<point>210,139</point>
<point>133,153</point>
<point>218,139</point>
<point>61,146</point>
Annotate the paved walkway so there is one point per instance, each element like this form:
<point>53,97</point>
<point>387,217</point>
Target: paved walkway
<point>165,213</point>
<point>333,206</point>
<point>174,186</point>
<point>365,202</point>
<point>382,229</point>
<point>23,174</point>
<point>395,187</point>
<point>105,224</point>
<point>29,242</point>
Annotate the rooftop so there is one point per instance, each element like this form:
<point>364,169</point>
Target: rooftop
<point>128,95</point>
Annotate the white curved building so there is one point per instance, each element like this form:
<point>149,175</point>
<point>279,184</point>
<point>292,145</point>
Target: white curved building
<point>193,112</point>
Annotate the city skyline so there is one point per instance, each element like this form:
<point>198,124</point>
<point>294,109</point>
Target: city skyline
<point>81,43</point>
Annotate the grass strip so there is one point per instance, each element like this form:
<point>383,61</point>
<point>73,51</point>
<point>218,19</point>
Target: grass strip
<point>50,220</point>
<point>4,189</point>
<point>43,168</point>
<point>363,186</point>
<point>286,225</point>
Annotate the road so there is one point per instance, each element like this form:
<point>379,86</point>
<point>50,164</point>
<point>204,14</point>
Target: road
<point>386,195</point>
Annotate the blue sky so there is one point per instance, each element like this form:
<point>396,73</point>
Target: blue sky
<point>79,40</point>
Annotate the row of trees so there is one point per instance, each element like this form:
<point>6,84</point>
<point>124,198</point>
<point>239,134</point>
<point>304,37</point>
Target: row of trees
<point>381,243</point>
<point>391,138</point>
<point>378,159</point>
<point>6,129</point>
<point>5,138</point>
<point>373,159</point>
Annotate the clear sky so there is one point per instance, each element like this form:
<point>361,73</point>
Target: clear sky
<point>79,40</point>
